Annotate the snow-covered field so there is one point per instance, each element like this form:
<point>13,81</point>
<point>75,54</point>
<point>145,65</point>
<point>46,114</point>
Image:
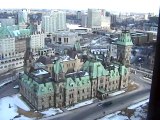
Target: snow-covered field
<point>81,104</point>
<point>134,112</point>
<point>51,112</point>
<point>9,109</point>
<point>117,93</point>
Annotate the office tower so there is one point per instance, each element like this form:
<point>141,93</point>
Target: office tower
<point>54,22</point>
<point>79,15</point>
<point>84,20</point>
<point>94,19</point>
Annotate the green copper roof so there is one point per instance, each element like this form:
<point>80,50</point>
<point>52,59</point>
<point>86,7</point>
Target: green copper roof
<point>70,84</point>
<point>13,31</point>
<point>77,46</point>
<point>33,86</point>
<point>125,39</point>
<point>114,73</point>
<point>95,68</point>
<point>58,67</point>
<point>123,70</point>
<point>80,82</point>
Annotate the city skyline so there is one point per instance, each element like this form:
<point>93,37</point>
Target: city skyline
<point>151,6</point>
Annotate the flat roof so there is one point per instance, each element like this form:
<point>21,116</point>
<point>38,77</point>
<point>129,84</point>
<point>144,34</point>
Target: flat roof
<point>74,26</point>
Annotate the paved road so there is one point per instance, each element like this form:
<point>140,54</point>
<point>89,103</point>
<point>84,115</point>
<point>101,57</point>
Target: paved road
<point>94,111</point>
<point>8,90</point>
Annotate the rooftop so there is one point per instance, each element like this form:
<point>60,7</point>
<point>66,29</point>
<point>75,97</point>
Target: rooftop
<point>39,72</point>
<point>74,26</point>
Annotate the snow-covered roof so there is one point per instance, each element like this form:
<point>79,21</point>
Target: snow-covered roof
<point>74,26</point>
<point>65,58</point>
<point>40,72</point>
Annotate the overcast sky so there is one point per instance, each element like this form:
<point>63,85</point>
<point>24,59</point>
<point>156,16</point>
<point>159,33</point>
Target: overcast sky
<point>114,5</point>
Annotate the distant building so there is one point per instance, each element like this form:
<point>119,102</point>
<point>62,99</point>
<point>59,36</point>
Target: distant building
<point>141,38</point>
<point>84,20</point>
<point>79,15</point>
<point>78,29</point>
<point>36,41</point>
<point>150,27</point>
<point>22,17</point>
<point>65,37</point>
<point>113,19</point>
<point>94,19</point>
<point>56,21</point>
<point>7,21</point>
<point>105,22</point>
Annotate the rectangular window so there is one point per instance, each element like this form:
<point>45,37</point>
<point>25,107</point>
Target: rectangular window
<point>50,98</point>
<point>83,90</point>
<point>60,97</point>
<point>101,81</point>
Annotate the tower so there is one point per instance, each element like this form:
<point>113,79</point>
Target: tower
<point>28,60</point>
<point>124,45</point>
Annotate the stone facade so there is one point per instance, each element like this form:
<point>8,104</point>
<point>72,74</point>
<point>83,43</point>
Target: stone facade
<point>70,80</point>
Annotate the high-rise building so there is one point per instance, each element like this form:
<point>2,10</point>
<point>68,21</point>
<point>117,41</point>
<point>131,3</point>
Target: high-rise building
<point>79,15</point>
<point>94,18</point>
<point>22,17</point>
<point>54,22</point>
<point>113,18</point>
<point>84,20</point>
<point>36,41</point>
<point>7,46</point>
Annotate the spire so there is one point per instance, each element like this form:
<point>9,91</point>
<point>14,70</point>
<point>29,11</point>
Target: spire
<point>125,38</point>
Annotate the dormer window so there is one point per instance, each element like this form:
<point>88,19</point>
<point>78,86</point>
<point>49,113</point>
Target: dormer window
<point>42,90</point>
<point>50,89</point>
<point>71,84</point>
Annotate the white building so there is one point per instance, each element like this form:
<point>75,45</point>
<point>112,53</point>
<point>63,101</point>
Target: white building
<point>94,19</point>
<point>7,47</point>
<point>54,22</point>
<point>84,20</point>
<point>36,41</point>
<point>105,22</point>
<point>65,37</point>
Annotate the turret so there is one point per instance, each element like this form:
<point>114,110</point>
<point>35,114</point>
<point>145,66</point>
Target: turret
<point>124,45</point>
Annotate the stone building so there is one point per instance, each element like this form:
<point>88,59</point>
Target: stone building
<point>74,77</point>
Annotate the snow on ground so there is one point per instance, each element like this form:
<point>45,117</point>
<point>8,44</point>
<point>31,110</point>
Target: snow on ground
<point>117,93</point>
<point>147,78</point>
<point>138,104</point>
<point>18,102</point>
<point>6,82</point>
<point>137,112</point>
<point>51,112</point>
<point>114,116</point>
<point>8,107</point>
<point>17,86</point>
<point>81,104</point>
